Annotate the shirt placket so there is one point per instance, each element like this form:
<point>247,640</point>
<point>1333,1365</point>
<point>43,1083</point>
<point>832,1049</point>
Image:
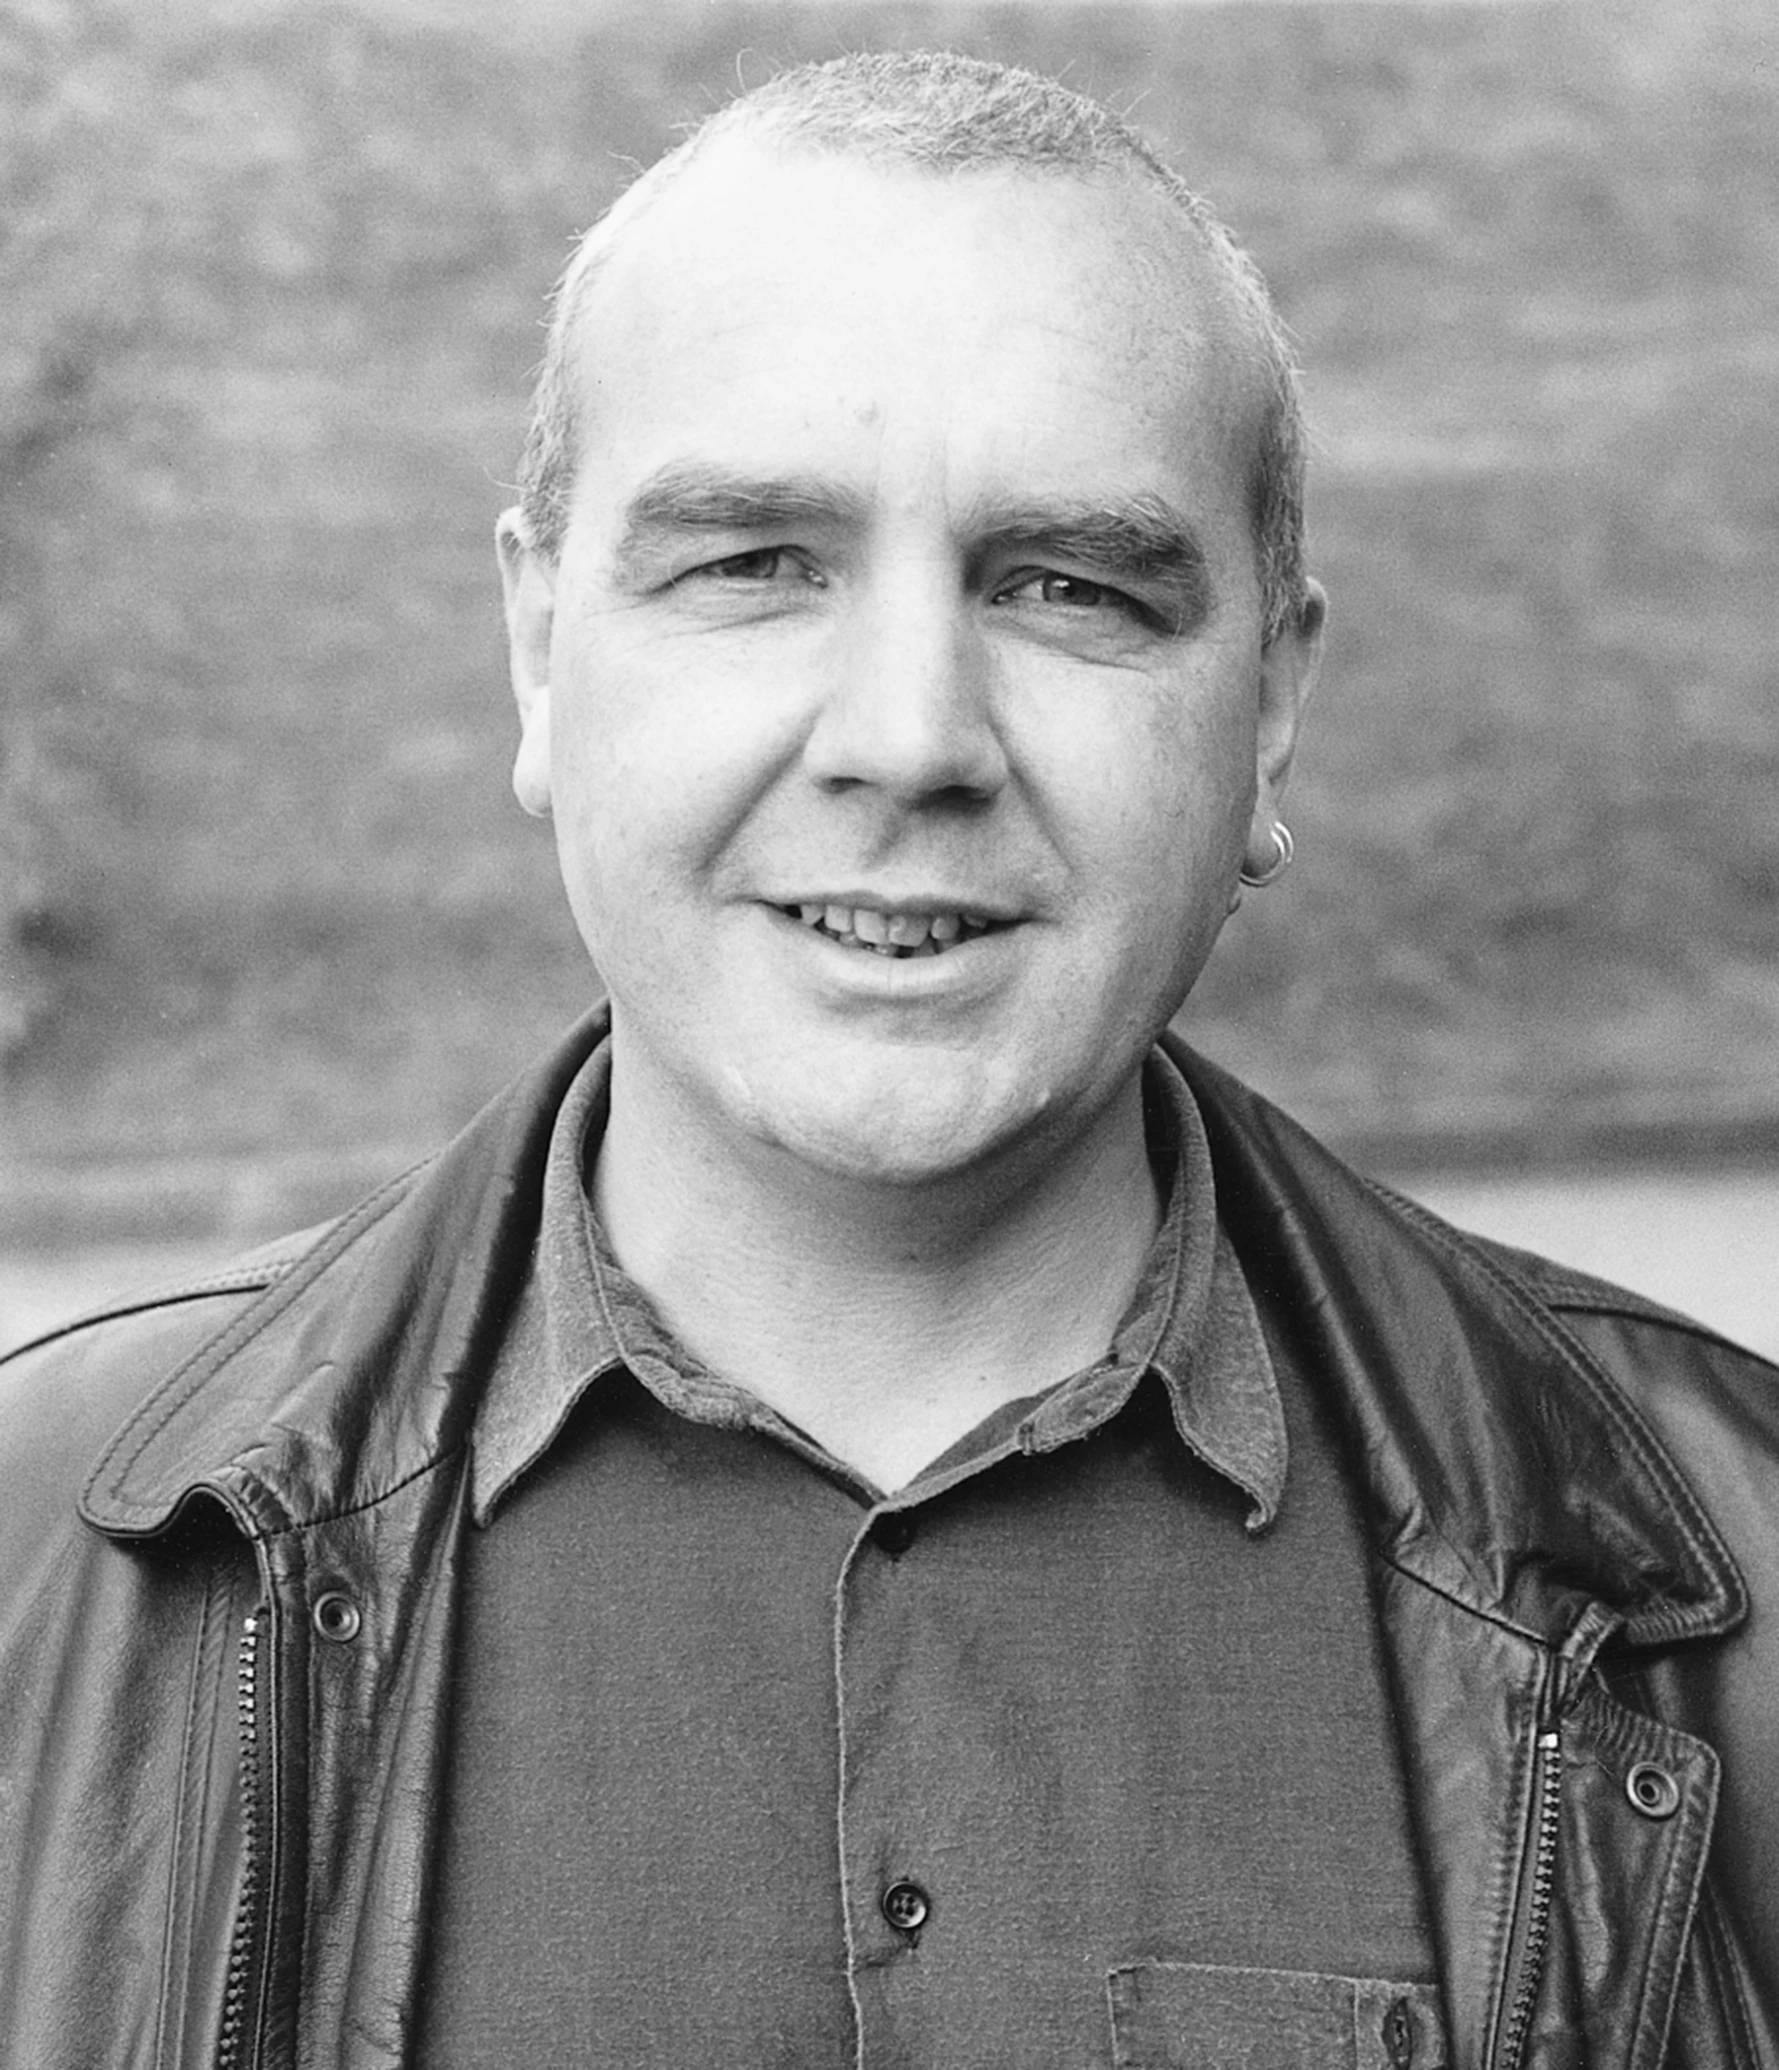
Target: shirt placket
<point>892,1883</point>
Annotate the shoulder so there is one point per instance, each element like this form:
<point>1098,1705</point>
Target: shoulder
<point>64,1394</point>
<point>1640,1335</point>
<point>188,1298</point>
<point>1646,1346</point>
<point>1713,1403</point>
<point>1708,1397</point>
<point>1569,1290</point>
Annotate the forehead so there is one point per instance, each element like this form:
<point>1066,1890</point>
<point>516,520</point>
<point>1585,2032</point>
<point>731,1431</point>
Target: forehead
<point>1020,320</point>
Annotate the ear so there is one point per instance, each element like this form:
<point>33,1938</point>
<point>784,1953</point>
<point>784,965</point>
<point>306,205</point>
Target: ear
<point>528,581</point>
<point>1289,665</point>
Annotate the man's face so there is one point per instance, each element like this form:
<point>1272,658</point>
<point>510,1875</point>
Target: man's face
<point>908,603</point>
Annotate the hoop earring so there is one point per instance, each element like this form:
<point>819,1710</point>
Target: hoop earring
<point>1281,862</point>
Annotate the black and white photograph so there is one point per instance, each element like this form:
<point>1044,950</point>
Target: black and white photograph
<point>600,1472</point>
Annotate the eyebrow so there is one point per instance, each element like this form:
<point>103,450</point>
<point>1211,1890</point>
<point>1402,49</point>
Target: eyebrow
<point>690,498</point>
<point>1140,538</point>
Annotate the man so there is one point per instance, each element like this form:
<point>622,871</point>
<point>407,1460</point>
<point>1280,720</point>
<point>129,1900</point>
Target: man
<point>875,1509</point>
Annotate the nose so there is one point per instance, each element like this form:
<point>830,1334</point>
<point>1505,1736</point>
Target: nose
<point>909,707</point>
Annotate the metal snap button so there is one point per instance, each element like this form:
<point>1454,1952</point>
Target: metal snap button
<point>336,1616</point>
<point>1652,1791</point>
<point>905,1906</point>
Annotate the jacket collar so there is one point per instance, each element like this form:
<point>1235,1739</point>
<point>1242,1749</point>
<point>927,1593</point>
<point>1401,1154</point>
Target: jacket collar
<point>357,1369</point>
<point>1500,1464</point>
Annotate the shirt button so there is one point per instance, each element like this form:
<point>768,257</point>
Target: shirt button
<point>893,1532</point>
<point>905,1906</point>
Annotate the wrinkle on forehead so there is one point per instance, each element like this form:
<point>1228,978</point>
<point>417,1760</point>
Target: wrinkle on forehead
<point>1150,269</point>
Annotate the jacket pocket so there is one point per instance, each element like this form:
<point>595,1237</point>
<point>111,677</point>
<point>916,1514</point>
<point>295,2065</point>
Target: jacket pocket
<point>1202,2016</point>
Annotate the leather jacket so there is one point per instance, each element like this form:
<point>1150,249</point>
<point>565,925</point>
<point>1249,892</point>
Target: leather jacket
<point>232,1531</point>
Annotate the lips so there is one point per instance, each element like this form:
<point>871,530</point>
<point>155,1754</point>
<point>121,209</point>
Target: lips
<point>886,932</point>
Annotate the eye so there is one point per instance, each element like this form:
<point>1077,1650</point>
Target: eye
<point>1074,593</point>
<point>1075,590</point>
<point>760,564</point>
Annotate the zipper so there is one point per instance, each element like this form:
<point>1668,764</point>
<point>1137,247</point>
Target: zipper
<point>235,2048</point>
<point>1399,2035</point>
<point>1532,1924</point>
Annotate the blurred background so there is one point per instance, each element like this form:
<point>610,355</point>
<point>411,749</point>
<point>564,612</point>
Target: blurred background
<point>270,281</point>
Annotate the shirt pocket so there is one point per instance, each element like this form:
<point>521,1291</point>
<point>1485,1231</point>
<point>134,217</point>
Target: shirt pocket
<point>1202,2016</point>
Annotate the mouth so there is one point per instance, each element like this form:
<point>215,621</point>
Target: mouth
<point>900,933</point>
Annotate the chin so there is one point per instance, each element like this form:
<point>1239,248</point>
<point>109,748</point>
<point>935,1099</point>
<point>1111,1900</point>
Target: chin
<point>904,1133</point>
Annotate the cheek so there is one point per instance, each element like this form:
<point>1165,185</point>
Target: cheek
<point>615,746</point>
<point>677,734</point>
<point>601,797</point>
<point>1171,805</point>
<point>653,791</point>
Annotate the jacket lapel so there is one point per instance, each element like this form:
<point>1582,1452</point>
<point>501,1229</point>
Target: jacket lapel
<point>362,1366</point>
<point>1520,1510</point>
<point>1523,1515</point>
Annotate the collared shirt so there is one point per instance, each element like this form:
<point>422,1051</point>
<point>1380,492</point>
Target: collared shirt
<point>1191,1322</point>
<point>755,1765</point>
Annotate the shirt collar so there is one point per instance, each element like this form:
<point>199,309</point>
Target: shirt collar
<point>1191,1322</point>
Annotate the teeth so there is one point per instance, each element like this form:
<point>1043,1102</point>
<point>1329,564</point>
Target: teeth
<point>891,934</point>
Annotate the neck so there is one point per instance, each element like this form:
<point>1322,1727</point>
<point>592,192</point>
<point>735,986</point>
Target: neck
<point>884,1320</point>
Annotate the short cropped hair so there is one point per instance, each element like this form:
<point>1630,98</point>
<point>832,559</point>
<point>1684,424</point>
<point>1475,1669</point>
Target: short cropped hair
<point>943,112</point>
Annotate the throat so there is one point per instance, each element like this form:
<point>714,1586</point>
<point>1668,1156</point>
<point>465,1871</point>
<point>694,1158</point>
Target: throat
<point>886,1361</point>
<point>886,1321</point>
